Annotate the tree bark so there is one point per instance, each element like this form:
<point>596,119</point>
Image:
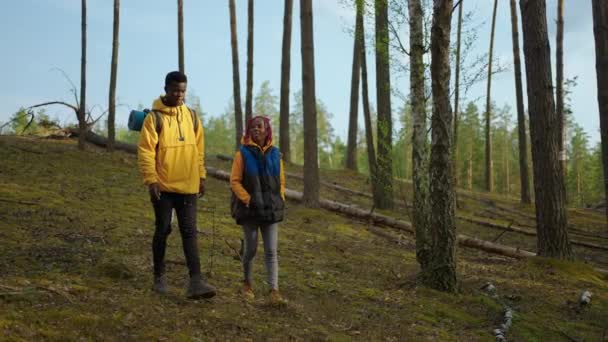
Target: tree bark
<point>421,214</point>
<point>549,186</point>
<point>309,101</point>
<point>249,90</point>
<point>367,117</point>
<point>457,93</point>
<point>351,146</point>
<point>180,34</point>
<point>383,94</point>
<point>521,119</point>
<point>82,123</point>
<point>284,142</point>
<point>600,31</point>
<point>236,79</point>
<point>489,162</point>
<point>442,270</point>
<point>559,87</point>
<point>113,76</point>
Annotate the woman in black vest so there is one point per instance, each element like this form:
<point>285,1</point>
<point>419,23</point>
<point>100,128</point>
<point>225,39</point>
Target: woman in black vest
<point>258,202</point>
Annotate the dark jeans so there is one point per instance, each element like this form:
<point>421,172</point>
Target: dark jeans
<point>185,207</point>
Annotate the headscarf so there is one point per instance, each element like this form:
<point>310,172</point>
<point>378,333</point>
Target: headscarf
<point>246,134</point>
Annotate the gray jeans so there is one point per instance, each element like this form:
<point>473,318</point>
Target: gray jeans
<point>270,237</point>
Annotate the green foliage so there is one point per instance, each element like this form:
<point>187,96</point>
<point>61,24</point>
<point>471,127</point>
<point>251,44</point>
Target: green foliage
<point>41,125</point>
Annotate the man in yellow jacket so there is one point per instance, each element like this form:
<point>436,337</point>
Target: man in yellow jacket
<point>171,158</point>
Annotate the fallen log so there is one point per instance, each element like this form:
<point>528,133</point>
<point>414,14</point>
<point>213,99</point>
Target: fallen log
<point>377,219</point>
<point>383,220</point>
<point>524,231</point>
<point>301,177</point>
<point>101,141</point>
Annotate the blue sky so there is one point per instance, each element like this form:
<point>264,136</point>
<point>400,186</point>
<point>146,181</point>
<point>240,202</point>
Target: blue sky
<point>39,35</point>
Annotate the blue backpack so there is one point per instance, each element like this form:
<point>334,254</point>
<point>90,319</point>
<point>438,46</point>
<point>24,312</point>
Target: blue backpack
<point>136,119</point>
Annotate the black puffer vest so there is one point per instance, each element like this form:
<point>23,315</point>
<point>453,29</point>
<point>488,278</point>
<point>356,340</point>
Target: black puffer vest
<point>262,180</point>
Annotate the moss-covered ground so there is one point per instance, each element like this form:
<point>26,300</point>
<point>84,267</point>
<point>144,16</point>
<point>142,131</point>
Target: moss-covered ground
<point>75,264</point>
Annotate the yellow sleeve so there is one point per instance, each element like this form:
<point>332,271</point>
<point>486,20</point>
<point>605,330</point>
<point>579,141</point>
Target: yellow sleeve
<point>236,179</point>
<point>146,151</point>
<point>282,178</point>
<point>200,142</point>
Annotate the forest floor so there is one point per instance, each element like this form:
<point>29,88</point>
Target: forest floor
<point>75,263</point>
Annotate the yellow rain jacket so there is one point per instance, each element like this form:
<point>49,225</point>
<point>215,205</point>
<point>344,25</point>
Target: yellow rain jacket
<point>236,176</point>
<point>174,158</point>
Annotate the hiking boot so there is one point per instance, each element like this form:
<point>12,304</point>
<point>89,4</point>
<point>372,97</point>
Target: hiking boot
<point>160,285</point>
<point>276,298</point>
<point>199,288</point>
<point>247,292</point>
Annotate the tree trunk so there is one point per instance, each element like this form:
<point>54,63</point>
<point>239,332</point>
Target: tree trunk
<point>489,162</point>
<point>285,77</point>
<point>367,117</point>
<point>113,75</point>
<point>600,31</point>
<point>559,87</point>
<point>470,170</point>
<point>383,94</point>
<point>420,165</point>
<point>457,93</point>
<point>506,162</point>
<point>180,34</point>
<point>442,270</point>
<point>249,91</point>
<point>82,123</point>
<point>549,186</point>
<point>236,79</point>
<point>351,146</point>
<point>521,119</point>
<point>309,101</point>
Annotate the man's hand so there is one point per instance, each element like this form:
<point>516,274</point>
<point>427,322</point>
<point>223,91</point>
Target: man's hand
<point>201,188</point>
<point>154,190</point>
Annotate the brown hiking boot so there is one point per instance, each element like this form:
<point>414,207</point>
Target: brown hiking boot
<point>276,298</point>
<point>247,292</point>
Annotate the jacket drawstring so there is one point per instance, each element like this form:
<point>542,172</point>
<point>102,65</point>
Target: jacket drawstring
<point>179,127</point>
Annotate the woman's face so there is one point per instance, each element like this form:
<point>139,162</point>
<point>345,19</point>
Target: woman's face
<point>258,131</point>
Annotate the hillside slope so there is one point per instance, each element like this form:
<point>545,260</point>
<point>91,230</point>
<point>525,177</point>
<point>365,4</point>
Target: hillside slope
<point>76,227</point>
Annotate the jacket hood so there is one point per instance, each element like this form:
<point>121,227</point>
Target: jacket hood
<point>158,105</point>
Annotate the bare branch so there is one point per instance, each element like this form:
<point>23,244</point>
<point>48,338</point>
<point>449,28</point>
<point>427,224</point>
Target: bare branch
<point>396,35</point>
<point>73,90</point>
<point>456,6</point>
<point>31,114</point>
<point>75,109</point>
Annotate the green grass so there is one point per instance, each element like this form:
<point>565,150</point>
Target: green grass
<point>75,263</point>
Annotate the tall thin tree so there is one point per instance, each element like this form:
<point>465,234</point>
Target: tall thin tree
<point>549,188</point>
<point>489,162</point>
<point>559,86</point>
<point>383,95</point>
<point>600,23</point>
<point>351,146</point>
<point>180,34</point>
<point>285,77</point>
<point>457,92</point>
<point>113,76</point>
<point>249,90</point>
<point>441,274</point>
<point>82,123</point>
<point>236,79</point>
<point>367,116</point>
<point>309,102</point>
<point>521,118</point>
<point>419,137</point>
